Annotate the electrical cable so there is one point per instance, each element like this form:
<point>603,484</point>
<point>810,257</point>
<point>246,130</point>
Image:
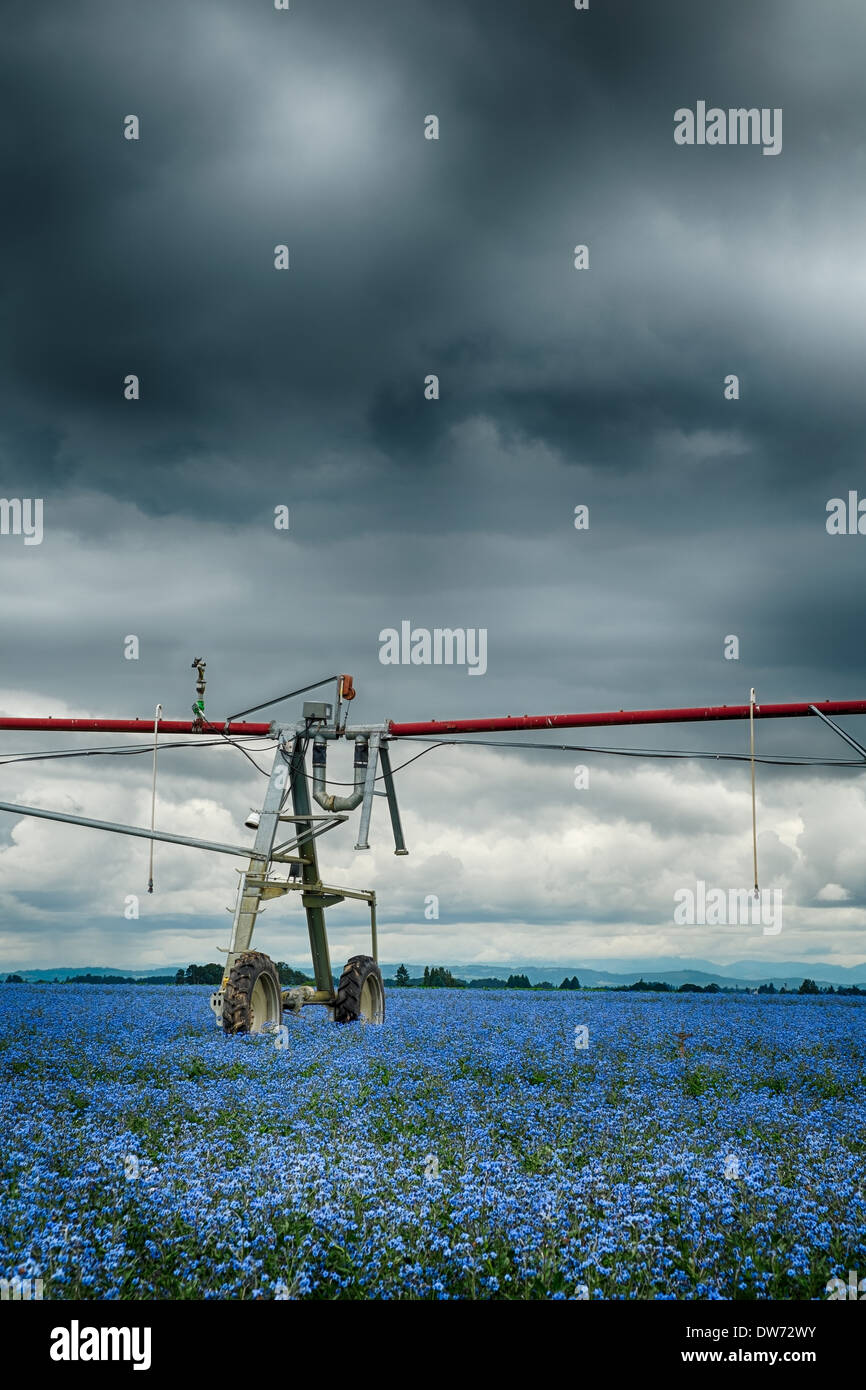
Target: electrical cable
<point>134,750</point>
<point>229,740</point>
<point>790,760</point>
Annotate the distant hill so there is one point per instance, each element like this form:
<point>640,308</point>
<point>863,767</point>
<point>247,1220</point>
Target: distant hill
<point>667,970</point>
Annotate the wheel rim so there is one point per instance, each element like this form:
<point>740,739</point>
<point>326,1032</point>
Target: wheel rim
<point>371,1000</point>
<point>261,1005</point>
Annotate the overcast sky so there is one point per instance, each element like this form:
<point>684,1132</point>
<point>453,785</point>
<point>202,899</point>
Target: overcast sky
<point>558,387</point>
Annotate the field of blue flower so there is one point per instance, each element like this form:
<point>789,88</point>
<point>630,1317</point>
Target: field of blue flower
<point>467,1149</point>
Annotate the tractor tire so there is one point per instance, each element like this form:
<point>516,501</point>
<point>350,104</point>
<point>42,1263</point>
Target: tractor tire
<point>361,993</point>
<point>253,997</point>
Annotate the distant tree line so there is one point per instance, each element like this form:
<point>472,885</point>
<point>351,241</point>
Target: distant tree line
<point>90,979</point>
<point>212,975</point>
<point>807,987</point>
<point>118,980</point>
<point>437,977</point>
<point>200,975</point>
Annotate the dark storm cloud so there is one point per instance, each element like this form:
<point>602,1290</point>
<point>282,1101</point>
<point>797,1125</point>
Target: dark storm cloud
<point>412,256</point>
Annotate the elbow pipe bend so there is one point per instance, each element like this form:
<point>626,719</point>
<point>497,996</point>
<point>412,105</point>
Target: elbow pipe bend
<point>320,790</point>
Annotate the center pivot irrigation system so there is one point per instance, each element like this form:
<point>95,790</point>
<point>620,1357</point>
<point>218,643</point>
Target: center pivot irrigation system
<point>250,998</point>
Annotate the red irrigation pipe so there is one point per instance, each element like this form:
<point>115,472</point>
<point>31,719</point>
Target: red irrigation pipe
<point>437,727</point>
<point>131,726</point>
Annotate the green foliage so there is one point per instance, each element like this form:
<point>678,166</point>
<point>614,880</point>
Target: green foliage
<point>213,974</point>
<point>194,1068</point>
<point>100,980</point>
<point>200,975</point>
<point>696,1082</point>
<point>437,977</point>
<point>291,977</point>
